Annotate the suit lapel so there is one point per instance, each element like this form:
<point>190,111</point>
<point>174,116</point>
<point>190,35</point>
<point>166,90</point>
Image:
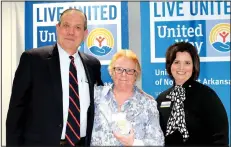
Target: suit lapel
<point>90,115</point>
<point>54,69</point>
<point>84,61</point>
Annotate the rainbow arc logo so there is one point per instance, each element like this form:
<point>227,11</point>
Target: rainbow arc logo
<point>100,41</point>
<point>219,37</point>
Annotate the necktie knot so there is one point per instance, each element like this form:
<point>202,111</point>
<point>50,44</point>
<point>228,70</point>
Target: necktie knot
<point>72,58</point>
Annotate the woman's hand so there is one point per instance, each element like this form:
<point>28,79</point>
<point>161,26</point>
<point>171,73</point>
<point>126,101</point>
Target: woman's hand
<point>126,140</point>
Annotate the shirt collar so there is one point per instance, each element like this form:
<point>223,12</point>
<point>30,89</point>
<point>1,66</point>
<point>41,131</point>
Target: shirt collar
<point>62,52</point>
<point>108,90</point>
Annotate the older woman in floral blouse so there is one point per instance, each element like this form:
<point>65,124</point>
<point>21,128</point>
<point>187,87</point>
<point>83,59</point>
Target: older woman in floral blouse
<point>123,114</point>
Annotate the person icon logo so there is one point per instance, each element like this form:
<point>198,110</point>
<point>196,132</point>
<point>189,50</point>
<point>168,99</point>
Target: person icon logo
<point>220,37</point>
<point>100,42</point>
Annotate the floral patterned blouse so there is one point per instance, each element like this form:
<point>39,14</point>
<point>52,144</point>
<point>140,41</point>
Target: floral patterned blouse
<point>141,111</point>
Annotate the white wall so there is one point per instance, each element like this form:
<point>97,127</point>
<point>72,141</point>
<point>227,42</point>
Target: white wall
<point>134,31</point>
<point>12,47</point>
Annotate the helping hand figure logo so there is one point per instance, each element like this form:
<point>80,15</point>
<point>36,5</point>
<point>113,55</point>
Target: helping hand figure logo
<point>100,41</point>
<point>220,37</point>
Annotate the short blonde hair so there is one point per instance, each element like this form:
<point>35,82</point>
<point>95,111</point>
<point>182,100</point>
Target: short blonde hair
<point>125,53</point>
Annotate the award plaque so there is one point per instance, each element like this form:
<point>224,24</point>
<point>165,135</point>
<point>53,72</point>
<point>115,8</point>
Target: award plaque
<point>121,124</point>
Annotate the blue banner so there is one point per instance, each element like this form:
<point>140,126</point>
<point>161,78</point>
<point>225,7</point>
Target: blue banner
<point>107,27</point>
<point>206,25</point>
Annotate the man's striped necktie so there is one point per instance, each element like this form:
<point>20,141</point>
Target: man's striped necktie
<point>73,120</point>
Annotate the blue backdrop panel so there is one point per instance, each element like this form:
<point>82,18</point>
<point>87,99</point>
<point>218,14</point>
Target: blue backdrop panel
<point>204,24</point>
<point>107,26</point>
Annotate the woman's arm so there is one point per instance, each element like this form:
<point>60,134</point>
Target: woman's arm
<point>153,133</point>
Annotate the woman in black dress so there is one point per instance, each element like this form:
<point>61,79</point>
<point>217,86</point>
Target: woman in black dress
<point>190,113</point>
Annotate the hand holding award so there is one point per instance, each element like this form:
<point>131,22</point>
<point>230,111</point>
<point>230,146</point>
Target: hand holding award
<point>122,125</point>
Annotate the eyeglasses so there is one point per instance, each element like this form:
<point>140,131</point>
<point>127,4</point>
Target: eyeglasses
<point>128,71</point>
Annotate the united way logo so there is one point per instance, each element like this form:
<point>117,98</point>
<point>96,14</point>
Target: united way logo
<point>220,37</point>
<point>100,41</point>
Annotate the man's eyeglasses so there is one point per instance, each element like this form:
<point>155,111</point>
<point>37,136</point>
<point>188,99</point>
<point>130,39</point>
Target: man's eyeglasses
<point>128,71</point>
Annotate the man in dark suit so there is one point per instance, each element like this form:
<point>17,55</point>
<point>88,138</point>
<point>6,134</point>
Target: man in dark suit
<point>39,104</point>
